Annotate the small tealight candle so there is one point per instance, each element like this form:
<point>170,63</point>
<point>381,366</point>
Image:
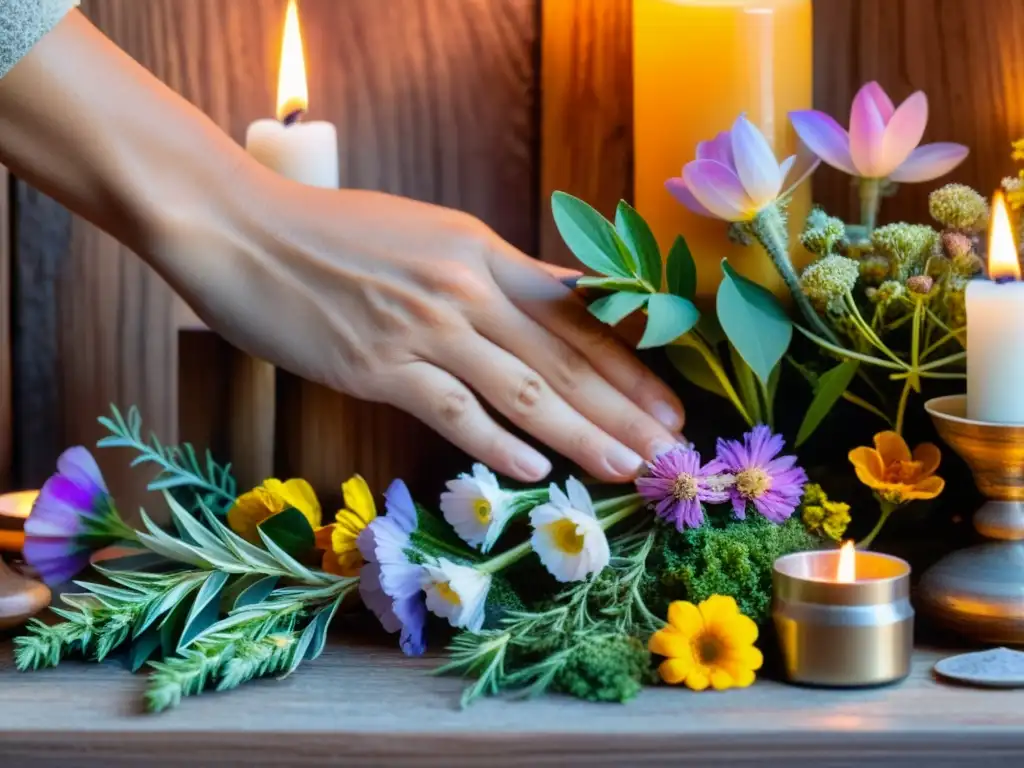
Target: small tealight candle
<point>14,510</point>
<point>995,329</point>
<point>843,617</point>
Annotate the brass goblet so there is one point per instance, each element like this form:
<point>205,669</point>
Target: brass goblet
<point>979,591</point>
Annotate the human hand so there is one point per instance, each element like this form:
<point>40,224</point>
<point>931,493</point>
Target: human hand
<point>395,301</point>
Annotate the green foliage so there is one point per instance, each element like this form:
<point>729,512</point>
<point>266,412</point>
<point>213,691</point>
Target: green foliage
<point>291,531</point>
<point>694,367</point>
<point>589,641</point>
<point>591,237</point>
<point>615,308</point>
<point>605,668</point>
<point>828,390</point>
<point>668,317</point>
<point>181,472</point>
<point>638,237</point>
<point>732,558</point>
<point>754,322</point>
<point>681,270</point>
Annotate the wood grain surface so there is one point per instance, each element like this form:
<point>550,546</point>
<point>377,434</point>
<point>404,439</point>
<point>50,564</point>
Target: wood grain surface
<point>587,111</point>
<point>362,704</point>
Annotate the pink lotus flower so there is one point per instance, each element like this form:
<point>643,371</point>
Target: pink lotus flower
<point>736,175</point>
<point>882,142</point>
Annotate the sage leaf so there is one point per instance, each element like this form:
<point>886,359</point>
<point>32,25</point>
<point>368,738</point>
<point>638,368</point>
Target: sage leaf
<point>747,385</point>
<point>205,608</point>
<point>637,236</point>
<point>754,322</point>
<point>695,369</point>
<point>613,309</point>
<point>668,317</point>
<point>591,237</point>
<point>321,623</point>
<point>681,270</point>
<point>142,648</point>
<point>831,386</point>
<point>256,592</point>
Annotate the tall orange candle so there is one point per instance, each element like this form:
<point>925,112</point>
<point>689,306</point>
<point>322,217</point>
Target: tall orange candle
<point>697,65</point>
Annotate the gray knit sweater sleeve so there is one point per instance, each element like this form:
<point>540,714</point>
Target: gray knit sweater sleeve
<point>23,23</point>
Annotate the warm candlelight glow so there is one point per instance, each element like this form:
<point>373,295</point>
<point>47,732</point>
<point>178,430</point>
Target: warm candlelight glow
<point>292,91</point>
<point>17,504</point>
<point>1003,260</point>
<point>847,572</point>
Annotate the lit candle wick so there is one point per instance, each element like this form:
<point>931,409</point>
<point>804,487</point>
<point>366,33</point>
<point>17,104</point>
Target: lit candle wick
<point>1003,258</point>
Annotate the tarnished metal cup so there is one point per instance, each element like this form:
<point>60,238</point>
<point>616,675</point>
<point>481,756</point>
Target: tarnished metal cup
<point>846,635</point>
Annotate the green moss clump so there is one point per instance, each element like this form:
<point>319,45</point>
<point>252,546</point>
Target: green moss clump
<point>606,668</point>
<point>733,558</point>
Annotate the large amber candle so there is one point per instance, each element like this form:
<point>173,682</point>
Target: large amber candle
<point>698,64</point>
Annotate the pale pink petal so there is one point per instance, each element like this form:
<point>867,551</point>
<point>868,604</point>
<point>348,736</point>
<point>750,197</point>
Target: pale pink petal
<point>787,165</point>
<point>719,190</point>
<point>803,164</point>
<point>825,137</point>
<point>867,136</point>
<point>678,189</point>
<point>756,165</point>
<point>883,103</point>
<point>905,131</point>
<point>718,149</point>
<point>930,161</point>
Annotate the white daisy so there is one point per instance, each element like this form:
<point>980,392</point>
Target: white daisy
<point>567,535</point>
<point>456,592</point>
<point>477,507</point>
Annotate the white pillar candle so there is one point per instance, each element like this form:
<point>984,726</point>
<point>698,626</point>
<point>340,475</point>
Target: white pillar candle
<point>303,152</point>
<point>995,330</point>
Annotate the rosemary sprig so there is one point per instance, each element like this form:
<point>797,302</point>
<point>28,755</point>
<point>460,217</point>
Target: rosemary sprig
<point>180,467</point>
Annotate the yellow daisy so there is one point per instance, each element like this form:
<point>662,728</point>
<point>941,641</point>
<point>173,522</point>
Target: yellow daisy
<point>707,645</point>
<point>271,498</point>
<point>338,540</point>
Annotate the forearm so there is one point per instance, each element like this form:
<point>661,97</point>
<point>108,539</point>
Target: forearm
<point>86,124</point>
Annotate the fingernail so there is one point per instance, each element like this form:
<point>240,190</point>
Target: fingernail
<point>667,414</point>
<point>659,447</point>
<point>623,461</point>
<point>532,465</point>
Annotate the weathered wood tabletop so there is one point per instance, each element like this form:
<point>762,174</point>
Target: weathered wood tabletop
<point>363,704</point>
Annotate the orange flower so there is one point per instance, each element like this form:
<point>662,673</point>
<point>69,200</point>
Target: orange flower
<point>338,540</point>
<point>894,474</point>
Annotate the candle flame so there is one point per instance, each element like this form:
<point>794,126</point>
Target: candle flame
<point>1003,259</point>
<point>292,90</point>
<point>847,572</point>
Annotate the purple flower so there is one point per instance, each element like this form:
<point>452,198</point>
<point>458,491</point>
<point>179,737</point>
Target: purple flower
<point>736,175</point>
<point>772,483</point>
<point>882,142</point>
<point>390,583</point>
<point>73,516</point>
<point>678,486</point>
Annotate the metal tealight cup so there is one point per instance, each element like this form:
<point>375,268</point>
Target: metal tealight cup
<point>849,635</point>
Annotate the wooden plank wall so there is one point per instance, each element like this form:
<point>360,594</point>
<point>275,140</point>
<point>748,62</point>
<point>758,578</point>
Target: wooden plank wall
<point>6,396</point>
<point>436,99</point>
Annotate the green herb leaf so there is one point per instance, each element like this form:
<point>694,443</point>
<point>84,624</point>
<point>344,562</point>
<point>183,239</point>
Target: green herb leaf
<point>641,243</point>
<point>668,317</point>
<point>681,270</point>
<point>831,386</point>
<point>613,309</point>
<point>256,592</point>
<point>695,369</point>
<point>747,385</point>
<point>205,608</point>
<point>754,322</point>
<point>320,624</point>
<point>143,647</point>
<point>591,237</point>
<point>609,283</point>
<point>291,531</point>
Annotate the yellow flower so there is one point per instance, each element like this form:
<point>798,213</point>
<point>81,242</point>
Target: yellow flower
<point>271,498</point>
<point>338,540</point>
<point>822,515</point>
<point>894,474</point>
<point>707,645</point>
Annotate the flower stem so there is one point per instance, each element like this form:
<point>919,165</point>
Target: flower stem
<point>633,503</point>
<point>870,202</point>
<point>696,342</point>
<point>849,354</point>
<point>887,509</point>
<point>869,334</point>
<point>769,227</point>
<point>861,402</point>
